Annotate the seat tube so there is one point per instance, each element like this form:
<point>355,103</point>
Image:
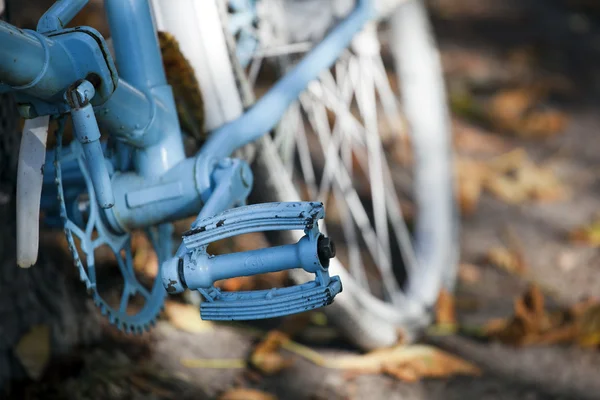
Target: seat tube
<point>139,63</point>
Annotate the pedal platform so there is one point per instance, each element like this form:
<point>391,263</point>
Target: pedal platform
<point>261,304</point>
<point>199,270</point>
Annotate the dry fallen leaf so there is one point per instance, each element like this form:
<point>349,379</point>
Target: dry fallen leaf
<point>33,351</point>
<point>507,260</point>
<point>471,175</point>
<point>473,140</point>
<point>532,324</point>
<point>145,260</point>
<point>515,179</point>
<point>186,317</point>
<point>588,325</point>
<point>266,356</point>
<point>588,234</point>
<point>518,111</point>
<point>511,177</point>
<point>246,394</point>
<point>445,312</point>
<point>213,363</point>
<point>469,273</point>
<point>407,363</point>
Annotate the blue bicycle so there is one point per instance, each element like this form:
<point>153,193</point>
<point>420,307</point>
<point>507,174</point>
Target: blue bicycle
<point>100,191</point>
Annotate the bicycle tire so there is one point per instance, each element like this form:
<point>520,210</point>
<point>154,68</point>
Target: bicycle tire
<point>364,319</point>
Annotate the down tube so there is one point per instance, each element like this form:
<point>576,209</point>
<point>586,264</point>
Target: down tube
<point>267,112</point>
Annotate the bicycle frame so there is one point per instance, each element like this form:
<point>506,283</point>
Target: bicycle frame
<point>140,110</point>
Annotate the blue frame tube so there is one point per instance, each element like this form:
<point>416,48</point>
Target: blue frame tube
<point>167,198</point>
<point>137,52</point>
<point>143,113</point>
<point>86,130</point>
<point>260,119</point>
<point>133,116</point>
<point>39,66</point>
<point>142,116</point>
<point>139,62</point>
<point>266,112</point>
<point>59,15</point>
<point>29,59</point>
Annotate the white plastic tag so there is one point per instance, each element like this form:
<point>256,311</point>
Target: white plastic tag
<point>30,177</point>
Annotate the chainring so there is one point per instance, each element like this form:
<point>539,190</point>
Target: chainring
<point>95,233</point>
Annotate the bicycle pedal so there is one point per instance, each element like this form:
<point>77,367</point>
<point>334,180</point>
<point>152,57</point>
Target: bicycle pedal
<point>261,304</point>
<point>197,269</point>
<point>254,218</point>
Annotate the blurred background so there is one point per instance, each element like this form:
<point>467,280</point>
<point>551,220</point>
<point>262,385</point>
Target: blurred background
<point>523,86</point>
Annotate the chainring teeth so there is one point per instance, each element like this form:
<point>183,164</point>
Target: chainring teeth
<point>145,318</point>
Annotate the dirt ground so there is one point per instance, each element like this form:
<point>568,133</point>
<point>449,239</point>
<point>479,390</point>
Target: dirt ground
<point>476,38</point>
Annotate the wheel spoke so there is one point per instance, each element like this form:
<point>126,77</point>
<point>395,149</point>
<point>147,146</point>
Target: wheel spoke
<point>397,219</point>
<point>283,50</point>
<point>364,224</point>
<point>288,137</point>
<point>367,106</point>
<point>358,212</point>
<point>389,103</point>
<point>255,66</point>
<point>318,117</point>
<point>339,159</point>
<point>354,256</point>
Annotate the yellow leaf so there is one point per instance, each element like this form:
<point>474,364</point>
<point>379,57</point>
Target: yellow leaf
<point>186,317</point>
<point>509,161</point>
<point>588,334</point>
<point>589,234</point>
<point>517,111</point>
<point>507,260</point>
<point>515,179</point>
<point>213,363</point>
<point>473,140</point>
<point>532,324</point>
<point>405,362</point>
<point>445,312</point>
<point>246,394</point>
<point>408,363</point>
<point>469,273</point>
<point>471,175</point>
<point>33,351</point>
<point>266,357</point>
<point>145,260</point>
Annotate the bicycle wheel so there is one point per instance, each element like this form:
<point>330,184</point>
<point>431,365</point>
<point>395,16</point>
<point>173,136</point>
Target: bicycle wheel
<point>333,146</point>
